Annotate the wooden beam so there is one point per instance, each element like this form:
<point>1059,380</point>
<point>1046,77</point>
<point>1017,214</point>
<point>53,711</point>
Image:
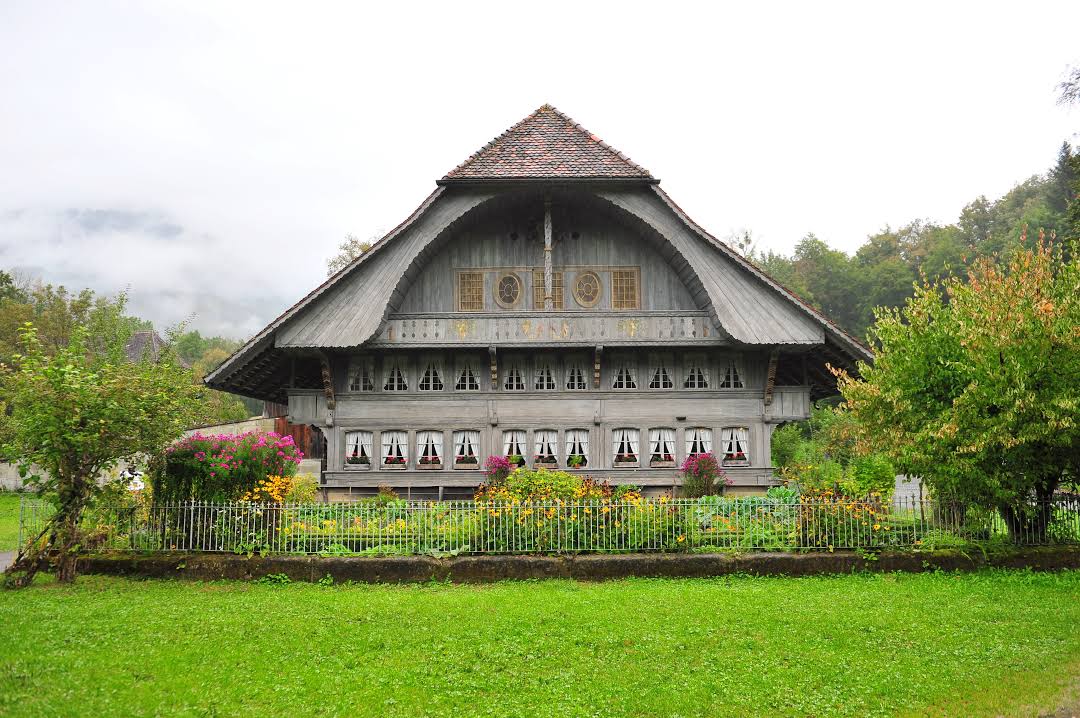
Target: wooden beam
<point>770,378</point>
<point>597,354</point>
<point>328,388</point>
<point>549,299</point>
<point>494,368</point>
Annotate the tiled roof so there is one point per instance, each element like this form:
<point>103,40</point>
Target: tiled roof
<point>547,144</point>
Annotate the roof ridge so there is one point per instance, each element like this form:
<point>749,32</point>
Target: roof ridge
<point>636,170</point>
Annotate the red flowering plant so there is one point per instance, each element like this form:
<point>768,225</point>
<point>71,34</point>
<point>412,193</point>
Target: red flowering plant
<point>497,468</point>
<point>221,467</point>
<point>702,476</point>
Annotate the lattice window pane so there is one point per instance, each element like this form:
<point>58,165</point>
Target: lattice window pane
<point>556,289</point>
<point>624,378</point>
<point>395,380</point>
<point>431,380</point>
<point>732,378</point>
<point>467,380</point>
<point>624,289</point>
<point>514,381</point>
<point>470,291</point>
<point>660,377</point>
<point>544,380</point>
<point>575,378</point>
<point>697,376</point>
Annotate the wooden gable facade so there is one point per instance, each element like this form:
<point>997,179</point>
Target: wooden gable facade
<point>547,301</point>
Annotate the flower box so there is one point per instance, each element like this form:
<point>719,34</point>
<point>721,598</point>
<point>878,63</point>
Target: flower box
<point>737,459</point>
<point>357,463</point>
<point>424,465</point>
<point>623,461</point>
<point>545,462</point>
<point>395,463</point>
<point>665,461</point>
<point>466,462</point>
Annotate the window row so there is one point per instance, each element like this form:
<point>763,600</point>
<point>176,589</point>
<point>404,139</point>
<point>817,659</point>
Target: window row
<point>586,286</point>
<point>546,449</point>
<point>661,371</point>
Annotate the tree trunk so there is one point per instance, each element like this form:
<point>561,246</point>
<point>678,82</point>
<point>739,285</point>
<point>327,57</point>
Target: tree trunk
<point>66,537</point>
<point>1029,523</point>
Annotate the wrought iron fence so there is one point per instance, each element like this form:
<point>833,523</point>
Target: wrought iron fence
<point>452,527</point>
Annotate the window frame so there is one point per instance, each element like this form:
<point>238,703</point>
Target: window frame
<point>521,363</point>
<point>619,441</point>
<point>558,291</point>
<point>628,361</point>
<point>359,445</point>
<point>599,288</point>
<point>729,362</point>
<point>635,282</point>
<point>577,361</point>
<point>476,362</point>
<point>402,447</point>
<point>403,365</point>
<point>699,361</point>
<point>665,361</point>
<point>521,443</point>
<point>567,438</point>
<point>363,365</point>
<point>497,284</point>
<point>551,363</point>
<point>425,362</point>
<point>662,443</point>
<point>690,439</point>
<point>433,438</point>
<point>459,293</point>
<point>475,446</point>
<point>551,438</point>
<point>736,441</point>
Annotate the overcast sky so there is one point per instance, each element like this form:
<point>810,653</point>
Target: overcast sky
<point>212,156</point>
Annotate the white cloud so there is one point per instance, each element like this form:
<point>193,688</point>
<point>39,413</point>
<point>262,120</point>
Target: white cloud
<point>267,131</point>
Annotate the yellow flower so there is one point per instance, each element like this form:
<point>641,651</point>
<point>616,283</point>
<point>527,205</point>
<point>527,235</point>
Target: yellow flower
<point>681,538</point>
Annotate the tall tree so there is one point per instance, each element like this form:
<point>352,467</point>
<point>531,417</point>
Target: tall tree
<point>348,250</point>
<point>80,409</point>
<point>976,384</point>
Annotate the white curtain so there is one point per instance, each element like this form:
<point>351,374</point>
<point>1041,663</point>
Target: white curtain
<point>546,441</point>
<point>514,442</point>
<point>626,441</point>
<point>393,444</point>
<point>429,443</point>
<point>358,444</point>
<point>736,442</point>
<point>667,444</point>
<point>465,443</point>
<point>698,441</point>
<point>577,443</point>
<point>654,441</point>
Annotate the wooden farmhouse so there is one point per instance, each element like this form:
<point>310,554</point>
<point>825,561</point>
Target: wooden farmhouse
<point>548,301</point>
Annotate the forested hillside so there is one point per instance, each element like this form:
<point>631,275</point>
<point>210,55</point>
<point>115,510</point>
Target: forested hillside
<point>882,271</point>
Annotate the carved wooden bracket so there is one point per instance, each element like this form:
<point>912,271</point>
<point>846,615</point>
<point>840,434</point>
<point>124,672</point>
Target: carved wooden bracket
<point>770,379</point>
<point>328,388</point>
<point>596,365</point>
<point>494,368</point>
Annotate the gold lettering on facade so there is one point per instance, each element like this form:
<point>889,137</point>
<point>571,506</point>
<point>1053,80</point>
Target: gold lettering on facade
<point>464,327</point>
<point>628,327</point>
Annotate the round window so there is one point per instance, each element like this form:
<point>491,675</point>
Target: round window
<point>587,289</point>
<point>508,290</point>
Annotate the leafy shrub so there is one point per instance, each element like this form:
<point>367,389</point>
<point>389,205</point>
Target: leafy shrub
<point>222,467</point>
<point>524,485</point>
<point>870,474</point>
<point>304,490</point>
<point>300,489</point>
<point>702,476</point>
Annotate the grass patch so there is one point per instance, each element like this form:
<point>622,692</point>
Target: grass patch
<point>9,520</point>
<point>989,643</point>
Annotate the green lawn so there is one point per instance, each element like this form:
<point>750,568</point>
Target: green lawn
<point>9,520</point>
<point>946,644</point>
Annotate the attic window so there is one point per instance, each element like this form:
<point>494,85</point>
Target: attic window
<point>470,291</point>
<point>508,290</point>
<point>587,289</point>
<point>732,379</point>
<point>624,289</point>
<point>556,289</point>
